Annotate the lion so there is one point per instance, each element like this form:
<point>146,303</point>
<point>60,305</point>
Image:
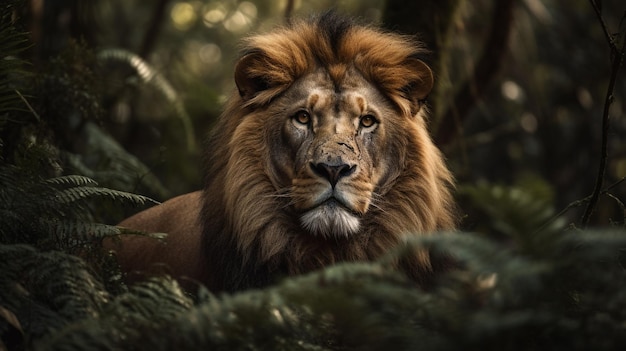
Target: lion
<point>322,155</point>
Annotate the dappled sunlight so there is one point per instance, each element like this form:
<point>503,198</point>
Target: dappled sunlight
<point>242,18</point>
<point>214,14</point>
<point>183,15</point>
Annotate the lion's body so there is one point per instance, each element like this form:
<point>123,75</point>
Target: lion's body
<point>323,156</point>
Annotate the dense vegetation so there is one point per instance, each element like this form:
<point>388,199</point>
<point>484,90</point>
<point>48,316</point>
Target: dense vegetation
<point>91,117</point>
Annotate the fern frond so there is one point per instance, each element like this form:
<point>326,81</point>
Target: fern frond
<point>66,282</point>
<point>130,231</point>
<point>81,232</point>
<point>144,70</point>
<point>47,290</point>
<point>13,76</point>
<point>144,307</point>
<point>109,163</point>
<point>71,195</point>
<point>84,231</point>
<point>160,299</point>
<point>511,213</point>
<point>55,212</point>
<point>72,180</point>
<point>151,76</point>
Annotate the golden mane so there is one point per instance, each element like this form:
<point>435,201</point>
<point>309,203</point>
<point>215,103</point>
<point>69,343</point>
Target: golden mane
<point>249,233</point>
<point>288,53</point>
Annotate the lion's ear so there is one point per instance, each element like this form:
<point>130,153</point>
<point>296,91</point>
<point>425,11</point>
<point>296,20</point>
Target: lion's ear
<point>248,78</point>
<point>422,83</point>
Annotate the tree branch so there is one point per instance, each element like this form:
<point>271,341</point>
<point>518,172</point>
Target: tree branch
<point>289,10</point>
<point>486,68</point>
<point>154,27</point>
<point>617,56</point>
<point>598,12</point>
<point>581,202</point>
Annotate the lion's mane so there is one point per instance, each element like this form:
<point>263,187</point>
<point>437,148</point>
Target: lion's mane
<point>249,234</point>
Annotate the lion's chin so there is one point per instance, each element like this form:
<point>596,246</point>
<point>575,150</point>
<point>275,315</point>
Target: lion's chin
<point>330,219</point>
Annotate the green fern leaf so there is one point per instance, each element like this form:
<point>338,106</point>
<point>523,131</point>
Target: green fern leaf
<point>151,76</point>
<point>130,231</point>
<point>85,231</point>
<point>109,163</point>
<point>14,77</point>
<point>72,180</point>
<point>72,195</point>
<point>47,290</point>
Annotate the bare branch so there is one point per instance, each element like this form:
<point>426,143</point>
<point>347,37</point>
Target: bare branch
<point>581,202</point>
<point>289,10</point>
<point>617,56</point>
<point>597,9</point>
<point>154,28</point>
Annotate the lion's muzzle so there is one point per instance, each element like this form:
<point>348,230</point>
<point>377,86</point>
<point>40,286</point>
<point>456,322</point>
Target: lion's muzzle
<point>335,202</point>
<point>332,172</point>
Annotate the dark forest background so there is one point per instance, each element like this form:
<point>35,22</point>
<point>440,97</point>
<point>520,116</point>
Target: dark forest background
<point>104,106</point>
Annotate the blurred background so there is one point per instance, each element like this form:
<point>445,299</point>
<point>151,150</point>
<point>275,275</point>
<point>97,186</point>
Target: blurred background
<point>130,88</point>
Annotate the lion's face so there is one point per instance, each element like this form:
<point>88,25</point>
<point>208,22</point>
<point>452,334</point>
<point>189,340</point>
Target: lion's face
<point>328,155</point>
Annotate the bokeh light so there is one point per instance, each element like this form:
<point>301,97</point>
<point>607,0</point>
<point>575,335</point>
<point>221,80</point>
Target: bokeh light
<point>214,14</point>
<point>242,19</point>
<point>183,15</point>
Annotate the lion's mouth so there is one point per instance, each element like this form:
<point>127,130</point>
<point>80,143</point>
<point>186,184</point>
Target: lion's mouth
<point>331,218</point>
<point>333,203</point>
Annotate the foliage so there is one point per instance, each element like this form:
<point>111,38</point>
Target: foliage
<point>149,75</point>
<point>39,205</point>
<point>522,281</point>
<point>71,83</point>
<point>45,290</point>
<point>13,74</point>
<point>570,298</point>
<point>506,213</point>
<point>54,213</point>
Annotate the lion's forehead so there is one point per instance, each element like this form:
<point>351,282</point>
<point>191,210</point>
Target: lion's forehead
<point>344,102</point>
<point>354,96</point>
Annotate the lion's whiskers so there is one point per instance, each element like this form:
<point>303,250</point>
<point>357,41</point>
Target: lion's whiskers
<point>376,198</point>
<point>277,195</point>
<point>280,193</point>
<point>285,193</point>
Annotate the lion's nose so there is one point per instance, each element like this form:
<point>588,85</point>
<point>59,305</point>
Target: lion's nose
<point>333,172</point>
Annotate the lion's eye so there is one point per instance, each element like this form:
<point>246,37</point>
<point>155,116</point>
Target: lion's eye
<point>368,121</point>
<point>302,117</point>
